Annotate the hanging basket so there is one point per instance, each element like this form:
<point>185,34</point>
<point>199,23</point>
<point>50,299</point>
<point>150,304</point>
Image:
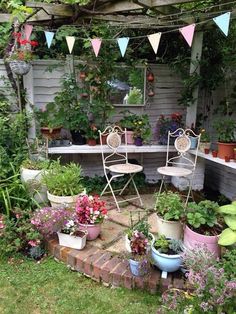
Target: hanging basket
<point>20,67</point>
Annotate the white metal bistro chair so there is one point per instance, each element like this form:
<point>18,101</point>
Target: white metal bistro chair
<point>115,164</point>
<point>181,165</point>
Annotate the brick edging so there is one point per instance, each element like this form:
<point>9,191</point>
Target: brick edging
<point>111,269</point>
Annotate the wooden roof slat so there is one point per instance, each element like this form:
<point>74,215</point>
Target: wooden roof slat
<point>4,17</point>
<point>64,10</point>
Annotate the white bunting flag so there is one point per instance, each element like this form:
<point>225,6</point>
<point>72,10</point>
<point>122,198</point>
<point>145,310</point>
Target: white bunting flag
<point>70,42</point>
<point>154,40</point>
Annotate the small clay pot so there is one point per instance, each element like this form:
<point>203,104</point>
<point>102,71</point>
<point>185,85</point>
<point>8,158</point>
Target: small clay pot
<point>91,142</point>
<point>206,150</point>
<point>150,77</point>
<point>227,159</point>
<point>214,153</point>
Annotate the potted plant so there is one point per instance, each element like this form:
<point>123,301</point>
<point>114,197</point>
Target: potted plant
<point>135,96</point>
<point>165,124</point>
<point>127,122</point>
<point>92,135</point>
<point>143,227</point>
<point>170,210</point>
<point>20,57</point>
<point>139,262</point>
<point>64,183</point>
<point>228,235</point>
<point>142,129</point>
<point>204,141</point>
<point>203,227</point>
<point>31,175</point>
<point>62,221</point>
<point>225,128</point>
<point>166,254</point>
<point>91,212</point>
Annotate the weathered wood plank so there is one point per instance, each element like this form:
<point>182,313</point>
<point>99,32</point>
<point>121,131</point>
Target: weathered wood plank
<point>53,8</point>
<point>4,17</point>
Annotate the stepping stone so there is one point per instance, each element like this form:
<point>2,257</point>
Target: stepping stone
<point>123,217</point>
<point>109,234</point>
<point>118,247</point>
<point>152,220</point>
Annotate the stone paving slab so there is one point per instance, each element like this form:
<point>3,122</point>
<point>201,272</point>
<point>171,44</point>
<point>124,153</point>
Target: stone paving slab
<point>152,220</point>
<point>118,247</point>
<point>109,234</point>
<point>123,217</point>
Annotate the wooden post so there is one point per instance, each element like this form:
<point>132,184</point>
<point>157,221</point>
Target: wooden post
<point>28,81</point>
<point>196,54</point>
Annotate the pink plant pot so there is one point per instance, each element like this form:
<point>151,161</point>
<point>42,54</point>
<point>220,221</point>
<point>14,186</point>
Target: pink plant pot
<point>193,239</point>
<point>130,137</point>
<point>93,230</point>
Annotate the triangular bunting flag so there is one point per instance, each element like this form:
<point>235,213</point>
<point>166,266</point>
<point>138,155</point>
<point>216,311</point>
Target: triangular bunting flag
<point>154,40</point>
<point>96,44</point>
<point>49,37</point>
<point>28,30</point>
<point>188,32</point>
<point>123,43</point>
<point>222,21</point>
<point>70,42</point>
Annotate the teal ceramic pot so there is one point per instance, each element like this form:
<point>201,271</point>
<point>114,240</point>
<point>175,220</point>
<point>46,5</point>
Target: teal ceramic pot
<point>193,142</point>
<point>138,268</point>
<point>164,262</point>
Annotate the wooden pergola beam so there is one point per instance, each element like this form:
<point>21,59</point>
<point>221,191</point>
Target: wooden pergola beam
<point>64,10</point>
<point>4,17</point>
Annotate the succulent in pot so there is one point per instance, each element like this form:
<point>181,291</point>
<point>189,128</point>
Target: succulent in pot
<point>139,260</point>
<point>166,253</point>
<point>64,183</point>
<point>170,210</point>
<point>203,226</point>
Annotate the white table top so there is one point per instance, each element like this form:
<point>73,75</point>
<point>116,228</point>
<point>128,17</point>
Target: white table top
<point>85,149</point>
<point>230,164</point>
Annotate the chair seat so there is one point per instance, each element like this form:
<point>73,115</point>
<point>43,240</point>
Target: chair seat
<point>125,168</point>
<point>174,171</point>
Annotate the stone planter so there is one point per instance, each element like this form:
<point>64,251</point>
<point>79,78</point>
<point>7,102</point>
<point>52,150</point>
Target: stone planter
<point>93,230</point>
<point>193,239</point>
<point>75,242</point>
<point>127,242</point>
<point>32,178</point>
<point>57,201</point>
<point>165,262</point>
<point>171,229</point>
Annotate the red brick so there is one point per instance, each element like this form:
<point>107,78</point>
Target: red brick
<point>71,258</point>
<point>178,283</point>
<point>82,255</point>
<point>154,280</point>
<point>88,268</point>
<point>99,263</point>
<point>166,283</point>
<point>108,267</point>
<point>128,279</point>
<point>117,278</point>
<point>64,251</point>
<point>57,251</point>
<point>50,244</point>
<point>139,282</point>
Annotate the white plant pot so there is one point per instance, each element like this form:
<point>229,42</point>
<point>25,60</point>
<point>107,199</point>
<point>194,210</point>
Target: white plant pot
<point>170,229</point>
<point>127,242</point>
<point>33,178</point>
<point>74,242</point>
<point>57,201</point>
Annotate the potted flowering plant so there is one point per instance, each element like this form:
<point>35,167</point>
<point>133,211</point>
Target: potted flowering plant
<point>92,135</point>
<point>139,263</point>
<point>19,59</point>
<point>62,221</point>
<point>91,212</point>
<point>166,124</point>
<point>204,141</point>
<point>127,122</point>
<point>142,129</point>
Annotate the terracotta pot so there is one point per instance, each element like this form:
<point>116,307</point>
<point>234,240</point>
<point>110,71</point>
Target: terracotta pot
<point>193,239</point>
<point>206,151</point>
<point>91,142</point>
<point>227,159</point>
<point>93,230</point>
<point>104,139</point>
<point>234,154</point>
<point>51,133</point>
<point>171,229</point>
<point>214,153</point>
<point>226,149</point>
<point>150,77</point>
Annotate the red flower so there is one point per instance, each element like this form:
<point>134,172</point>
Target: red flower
<point>34,43</point>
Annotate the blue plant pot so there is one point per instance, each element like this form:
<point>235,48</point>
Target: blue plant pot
<point>138,268</point>
<point>164,262</point>
<point>193,142</point>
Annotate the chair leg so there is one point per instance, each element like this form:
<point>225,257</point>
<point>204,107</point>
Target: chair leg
<point>126,184</point>
<point>137,192</point>
<point>189,191</point>
<point>162,183</point>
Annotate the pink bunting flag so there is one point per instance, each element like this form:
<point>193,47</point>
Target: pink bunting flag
<point>188,32</point>
<point>28,30</point>
<point>96,44</point>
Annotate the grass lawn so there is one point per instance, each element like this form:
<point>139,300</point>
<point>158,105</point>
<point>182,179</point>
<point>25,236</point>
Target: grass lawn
<point>50,287</point>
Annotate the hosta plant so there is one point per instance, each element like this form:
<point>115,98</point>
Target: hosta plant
<point>228,236</point>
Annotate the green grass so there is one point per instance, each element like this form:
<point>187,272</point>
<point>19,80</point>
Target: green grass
<point>50,287</point>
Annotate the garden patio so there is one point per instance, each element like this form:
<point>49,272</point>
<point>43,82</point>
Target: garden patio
<point>159,78</point>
